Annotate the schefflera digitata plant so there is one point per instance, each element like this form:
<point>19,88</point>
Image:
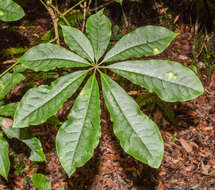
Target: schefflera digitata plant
<point>77,138</point>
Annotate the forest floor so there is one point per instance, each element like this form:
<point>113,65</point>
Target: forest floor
<point>189,159</point>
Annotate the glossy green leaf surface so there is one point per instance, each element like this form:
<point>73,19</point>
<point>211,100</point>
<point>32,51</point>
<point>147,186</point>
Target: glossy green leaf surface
<point>144,41</point>
<point>98,27</point>
<point>47,56</point>
<point>4,157</point>
<point>10,11</point>
<point>171,81</point>
<point>8,110</point>
<point>39,104</point>
<point>79,135</point>
<point>8,81</point>
<point>139,136</point>
<point>26,137</point>
<point>78,42</point>
<point>41,182</point>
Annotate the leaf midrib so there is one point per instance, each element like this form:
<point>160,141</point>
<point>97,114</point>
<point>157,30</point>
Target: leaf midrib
<point>85,116</point>
<point>54,59</point>
<point>53,97</point>
<point>127,119</point>
<point>159,78</point>
<point>132,47</point>
<point>82,48</point>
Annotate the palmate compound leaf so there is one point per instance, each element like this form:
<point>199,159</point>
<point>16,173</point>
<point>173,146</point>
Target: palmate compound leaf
<point>39,104</point>
<point>47,56</point>
<point>4,157</point>
<point>98,27</point>
<point>78,42</point>
<point>171,81</point>
<point>10,11</point>
<point>8,81</point>
<point>144,41</point>
<point>79,135</point>
<point>139,136</point>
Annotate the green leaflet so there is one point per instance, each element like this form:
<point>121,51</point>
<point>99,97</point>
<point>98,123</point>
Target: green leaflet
<point>4,157</point>
<point>39,104</point>
<point>170,80</point>
<point>98,27</point>
<point>8,81</point>
<point>26,137</point>
<point>37,154</point>
<point>8,110</point>
<point>45,57</point>
<point>138,135</point>
<point>79,135</point>
<point>41,182</point>
<point>10,11</point>
<point>119,1</point>
<point>78,42</point>
<point>144,41</point>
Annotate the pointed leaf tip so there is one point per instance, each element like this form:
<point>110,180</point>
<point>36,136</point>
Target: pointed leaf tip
<point>139,136</point>
<point>170,80</point>
<point>144,41</point>
<point>79,135</point>
<point>98,27</point>
<point>40,103</point>
<point>47,56</point>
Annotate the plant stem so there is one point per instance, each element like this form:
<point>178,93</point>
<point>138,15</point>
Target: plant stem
<point>7,70</point>
<point>61,15</point>
<point>104,67</point>
<point>72,7</point>
<point>55,21</point>
<point>44,4</point>
<point>102,6</point>
<point>54,18</point>
<point>84,16</point>
<point>88,7</point>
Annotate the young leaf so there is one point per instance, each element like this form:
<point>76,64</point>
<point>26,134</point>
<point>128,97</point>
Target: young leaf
<point>171,81</point>
<point>26,137</point>
<point>41,182</point>
<point>4,157</point>
<point>139,136</point>
<point>8,81</point>
<point>78,42</point>
<point>8,110</point>
<point>98,27</point>
<point>79,135</point>
<point>144,41</point>
<point>39,104</point>
<point>45,57</point>
<point>10,11</point>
